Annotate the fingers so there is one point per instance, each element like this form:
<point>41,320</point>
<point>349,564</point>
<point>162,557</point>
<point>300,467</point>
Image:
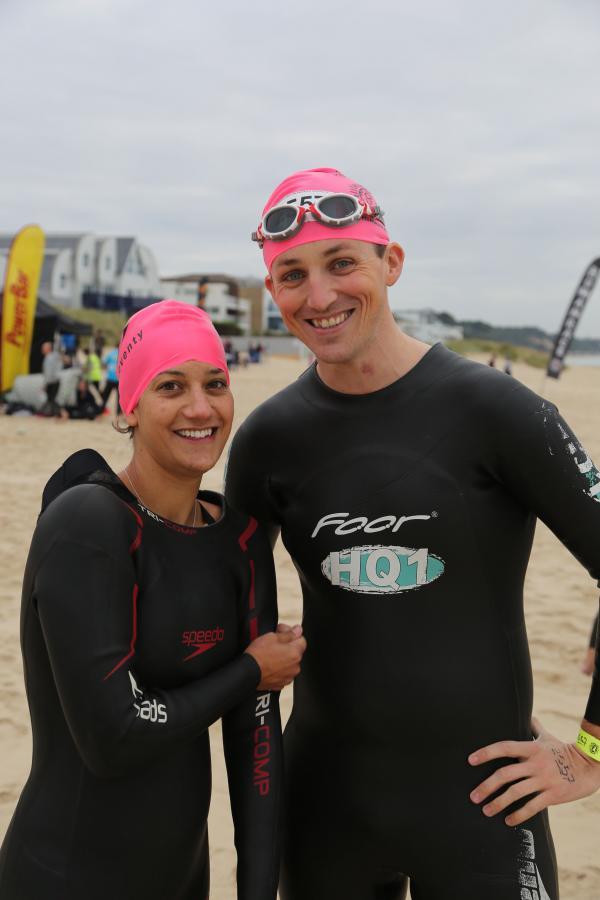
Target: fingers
<point>498,779</point>
<point>282,628</point>
<point>515,792</point>
<point>532,808</point>
<point>500,750</point>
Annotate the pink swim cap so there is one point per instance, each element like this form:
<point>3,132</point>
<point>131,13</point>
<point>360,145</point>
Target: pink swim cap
<point>301,188</point>
<point>159,337</point>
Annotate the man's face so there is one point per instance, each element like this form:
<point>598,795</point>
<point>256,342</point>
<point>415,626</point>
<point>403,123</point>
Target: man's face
<point>333,294</point>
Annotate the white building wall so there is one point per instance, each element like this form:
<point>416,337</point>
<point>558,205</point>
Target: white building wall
<point>63,286</point>
<point>106,264</point>
<point>84,260</point>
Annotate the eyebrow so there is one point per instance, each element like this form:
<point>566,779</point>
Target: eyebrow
<point>183,375</point>
<point>290,261</point>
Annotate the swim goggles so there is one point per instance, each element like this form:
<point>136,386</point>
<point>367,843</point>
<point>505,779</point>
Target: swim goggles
<point>335,210</point>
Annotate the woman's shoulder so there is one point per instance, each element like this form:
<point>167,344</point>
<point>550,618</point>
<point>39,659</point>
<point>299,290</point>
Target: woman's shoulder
<point>88,512</point>
<point>84,502</point>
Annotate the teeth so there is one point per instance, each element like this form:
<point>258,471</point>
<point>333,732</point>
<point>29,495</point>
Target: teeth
<point>189,433</point>
<point>332,321</point>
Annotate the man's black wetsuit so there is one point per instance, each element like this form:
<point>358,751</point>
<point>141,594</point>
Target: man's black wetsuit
<point>409,514</point>
<point>132,632</point>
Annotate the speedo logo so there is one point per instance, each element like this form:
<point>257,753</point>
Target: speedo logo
<point>202,640</point>
<point>381,570</point>
<point>362,523</point>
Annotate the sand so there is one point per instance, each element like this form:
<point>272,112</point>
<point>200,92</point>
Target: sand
<point>560,602</point>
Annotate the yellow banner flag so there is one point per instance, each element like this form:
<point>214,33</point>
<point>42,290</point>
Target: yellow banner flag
<point>21,282</point>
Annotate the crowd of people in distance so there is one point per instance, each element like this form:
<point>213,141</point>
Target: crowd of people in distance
<point>236,357</point>
<point>95,379</point>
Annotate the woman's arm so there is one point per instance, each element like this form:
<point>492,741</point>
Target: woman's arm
<point>253,747</point>
<point>86,601</point>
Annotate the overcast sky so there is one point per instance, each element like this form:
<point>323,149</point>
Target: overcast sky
<point>476,126</point>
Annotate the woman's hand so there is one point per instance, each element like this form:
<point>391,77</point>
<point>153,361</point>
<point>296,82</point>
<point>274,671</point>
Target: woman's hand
<point>553,771</point>
<point>278,656</point>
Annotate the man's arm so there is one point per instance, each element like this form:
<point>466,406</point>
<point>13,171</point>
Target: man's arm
<point>252,742</point>
<point>247,482</point>
<point>545,467</point>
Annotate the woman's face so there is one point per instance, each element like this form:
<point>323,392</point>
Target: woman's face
<point>183,418</point>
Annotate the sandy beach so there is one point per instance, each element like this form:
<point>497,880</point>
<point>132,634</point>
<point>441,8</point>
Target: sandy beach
<point>560,602</point>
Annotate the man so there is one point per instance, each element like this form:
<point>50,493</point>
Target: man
<point>406,481</point>
<point>51,367</point>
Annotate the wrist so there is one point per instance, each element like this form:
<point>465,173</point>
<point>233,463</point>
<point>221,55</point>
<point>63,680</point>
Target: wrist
<point>588,744</point>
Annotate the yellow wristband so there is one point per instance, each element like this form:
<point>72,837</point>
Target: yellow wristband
<point>589,744</point>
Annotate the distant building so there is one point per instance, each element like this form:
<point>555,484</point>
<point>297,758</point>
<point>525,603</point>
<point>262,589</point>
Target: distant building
<point>426,325</point>
<point>83,269</point>
<point>226,298</point>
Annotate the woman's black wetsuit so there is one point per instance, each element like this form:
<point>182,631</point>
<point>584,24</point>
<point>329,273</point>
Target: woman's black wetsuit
<point>132,632</point>
<point>409,513</point>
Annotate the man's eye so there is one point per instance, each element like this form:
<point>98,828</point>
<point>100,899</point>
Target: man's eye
<point>294,275</point>
<point>342,263</point>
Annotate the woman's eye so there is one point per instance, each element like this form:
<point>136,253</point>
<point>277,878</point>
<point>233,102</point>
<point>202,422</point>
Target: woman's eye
<point>169,386</point>
<point>218,384</point>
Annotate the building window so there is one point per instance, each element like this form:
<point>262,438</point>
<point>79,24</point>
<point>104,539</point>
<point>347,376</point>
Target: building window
<point>107,263</point>
<point>86,260</point>
<point>62,281</point>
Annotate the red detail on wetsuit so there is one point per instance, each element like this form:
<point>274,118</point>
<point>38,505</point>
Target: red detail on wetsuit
<point>202,648</point>
<point>253,628</point>
<point>138,538</point>
<point>133,636</point>
<point>247,534</point>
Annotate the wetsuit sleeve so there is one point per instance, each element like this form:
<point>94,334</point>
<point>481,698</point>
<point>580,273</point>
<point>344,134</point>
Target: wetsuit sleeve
<point>546,468</point>
<point>86,598</point>
<point>247,484</point>
<point>253,746</point>
<point>594,632</point>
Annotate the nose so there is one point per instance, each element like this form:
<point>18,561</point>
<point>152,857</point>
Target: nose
<point>198,405</point>
<point>321,294</point>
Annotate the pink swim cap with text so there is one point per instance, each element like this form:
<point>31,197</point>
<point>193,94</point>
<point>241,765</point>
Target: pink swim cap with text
<point>159,337</point>
<point>301,188</point>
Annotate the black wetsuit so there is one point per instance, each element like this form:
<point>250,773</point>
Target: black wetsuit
<point>409,513</point>
<point>132,633</point>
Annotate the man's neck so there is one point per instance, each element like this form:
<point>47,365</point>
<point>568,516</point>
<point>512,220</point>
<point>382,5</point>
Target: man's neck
<point>389,357</point>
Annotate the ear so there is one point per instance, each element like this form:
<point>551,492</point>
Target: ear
<point>132,418</point>
<point>269,285</point>
<point>393,261</point>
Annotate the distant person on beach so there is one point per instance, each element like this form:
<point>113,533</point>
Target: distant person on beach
<point>93,370</point>
<point>406,481</point>
<point>111,379</point>
<point>507,366</point>
<point>85,406</point>
<point>52,365</point>
<point>492,360</point>
<point>148,613</point>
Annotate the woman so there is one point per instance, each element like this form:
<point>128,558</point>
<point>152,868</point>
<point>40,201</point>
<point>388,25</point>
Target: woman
<point>145,607</point>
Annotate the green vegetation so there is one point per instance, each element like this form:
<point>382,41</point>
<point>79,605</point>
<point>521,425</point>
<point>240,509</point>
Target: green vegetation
<point>111,324</point>
<point>467,346</point>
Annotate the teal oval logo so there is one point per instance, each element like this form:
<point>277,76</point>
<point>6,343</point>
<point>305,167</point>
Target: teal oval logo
<point>381,570</point>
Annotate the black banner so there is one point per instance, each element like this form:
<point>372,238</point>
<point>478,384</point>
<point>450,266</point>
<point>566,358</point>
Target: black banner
<point>571,320</point>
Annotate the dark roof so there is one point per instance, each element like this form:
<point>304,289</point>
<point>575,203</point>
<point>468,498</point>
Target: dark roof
<point>64,323</point>
<point>123,247</point>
